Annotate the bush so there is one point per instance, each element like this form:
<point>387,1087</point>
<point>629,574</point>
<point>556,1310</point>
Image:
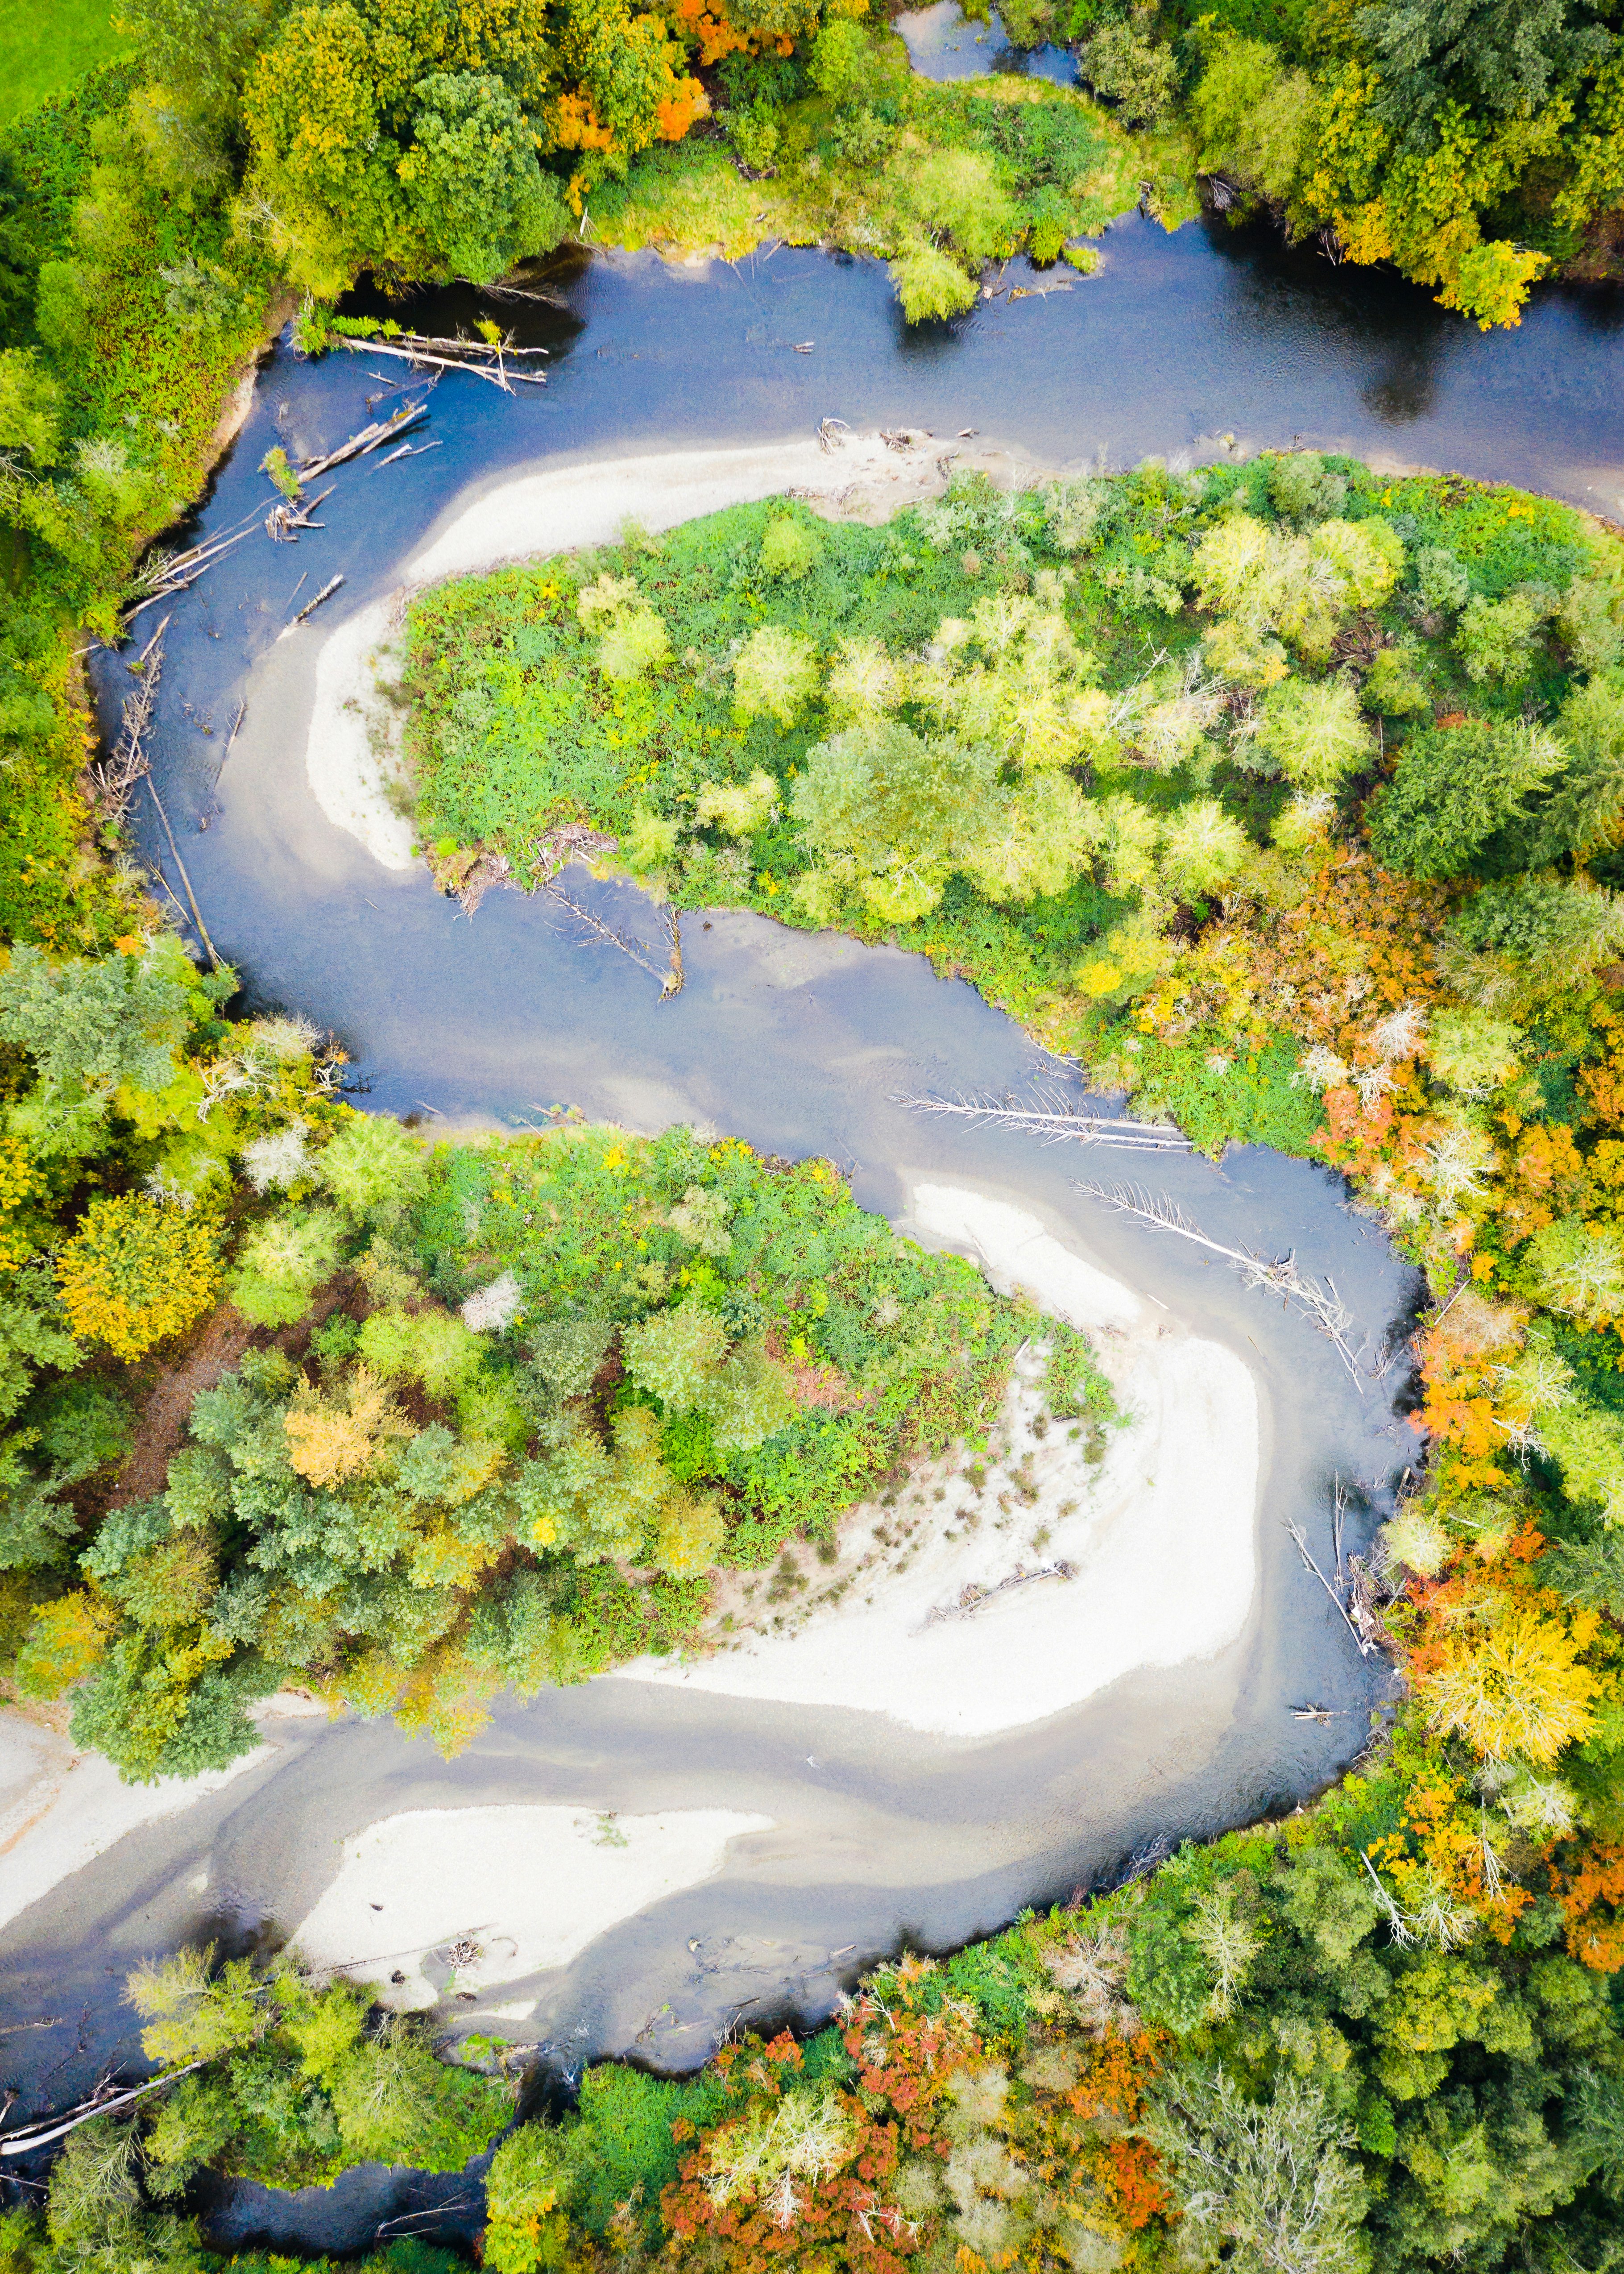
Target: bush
<point>136,1272</point>
<point>774,673</point>
<point>1129,70</point>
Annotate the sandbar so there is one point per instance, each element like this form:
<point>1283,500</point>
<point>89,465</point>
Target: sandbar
<point>487,1895</point>
<point>1159,1536</point>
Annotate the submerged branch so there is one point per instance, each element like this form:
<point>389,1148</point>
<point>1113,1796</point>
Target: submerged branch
<point>670,979</point>
<point>369,439</point>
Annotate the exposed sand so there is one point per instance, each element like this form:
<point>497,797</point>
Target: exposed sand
<point>1160,1534</point>
<point>523,1889</point>
<point>60,1808</point>
<point>351,754</point>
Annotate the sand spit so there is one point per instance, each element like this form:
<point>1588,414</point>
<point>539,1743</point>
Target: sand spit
<point>60,1808</point>
<point>937,1626</point>
<point>351,754</point>
<point>439,1900</point>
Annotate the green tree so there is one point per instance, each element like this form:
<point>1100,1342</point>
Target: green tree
<point>1452,788</point>
<point>890,815</point>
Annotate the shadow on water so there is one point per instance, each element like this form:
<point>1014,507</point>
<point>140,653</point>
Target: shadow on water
<point>800,1045</point>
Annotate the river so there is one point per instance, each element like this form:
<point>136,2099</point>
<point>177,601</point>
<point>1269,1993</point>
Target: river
<point>798,1045</point>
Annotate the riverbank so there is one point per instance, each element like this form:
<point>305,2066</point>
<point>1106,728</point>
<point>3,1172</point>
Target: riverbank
<point>995,1591</point>
<point>352,746</point>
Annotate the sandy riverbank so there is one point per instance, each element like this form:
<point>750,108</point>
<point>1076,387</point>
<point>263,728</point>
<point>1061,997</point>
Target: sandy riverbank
<point>1160,1534</point>
<point>60,1808</point>
<point>437,1899</point>
<point>350,753</point>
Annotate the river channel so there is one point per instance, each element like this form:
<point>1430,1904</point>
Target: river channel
<point>800,1045</point>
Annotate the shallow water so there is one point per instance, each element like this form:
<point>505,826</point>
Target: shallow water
<point>941,44</point>
<point>798,1045</point>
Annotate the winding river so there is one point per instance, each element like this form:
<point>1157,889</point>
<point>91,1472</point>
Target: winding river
<point>876,1832</point>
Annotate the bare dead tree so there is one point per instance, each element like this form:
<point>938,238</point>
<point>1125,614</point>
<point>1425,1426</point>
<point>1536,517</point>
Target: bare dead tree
<point>1320,1304</point>
<point>485,359</point>
<point>1056,1122</point>
<point>670,978</point>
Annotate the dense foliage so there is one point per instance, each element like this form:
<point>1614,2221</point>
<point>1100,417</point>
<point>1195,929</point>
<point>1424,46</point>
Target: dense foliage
<point>522,1396</point>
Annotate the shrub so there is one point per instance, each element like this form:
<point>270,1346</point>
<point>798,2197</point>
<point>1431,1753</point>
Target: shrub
<point>136,1272</point>
<point>631,646</point>
<point>1440,579</point>
<point>788,548</point>
<point>1302,487</point>
<point>774,673</point>
<point>737,809</point>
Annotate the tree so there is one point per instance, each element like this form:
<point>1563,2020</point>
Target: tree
<point>930,285</point>
<point>674,1353</point>
<point>283,1262</point>
<point>890,815</point>
<point>373,1166</point>
<point>1512,1685</point>
<point>96,1026</point>
<point>1037,840</point>
<point>1252,115</point>
<point>1203,849</point>
<point>1273,2179</point>
<point>1311,731</point>
<point>408,150</point>
<point>135,1272</point>
<point>1495,638</point>
<point>774,672</point>
<point>1131,70</point>
<point>1453,787</point>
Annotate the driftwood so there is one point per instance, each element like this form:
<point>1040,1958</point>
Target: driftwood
<point>972,1597</point>
<point>670,979</point>
<point>196,913</point>
<point>40,2135</point>
<point>1321,1305</point>
<point>112,779</point>
<point>358,445</point>
<point>1058,1123</point>
<point>285,519</point>
<point>487,361</point>
<point>173,572</point>
<point>310,606</point>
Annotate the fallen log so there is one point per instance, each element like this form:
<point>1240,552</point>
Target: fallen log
<point>310,606</point>
<point>381,430</point>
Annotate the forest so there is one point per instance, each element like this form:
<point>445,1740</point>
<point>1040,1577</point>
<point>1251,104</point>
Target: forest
<point>1310,797</point>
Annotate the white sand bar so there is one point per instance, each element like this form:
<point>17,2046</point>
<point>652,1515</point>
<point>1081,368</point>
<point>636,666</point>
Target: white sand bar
<point>350,755</point>
<point>1161,1534</point>
<point>60,1808</point>
<point>522,1889</point>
